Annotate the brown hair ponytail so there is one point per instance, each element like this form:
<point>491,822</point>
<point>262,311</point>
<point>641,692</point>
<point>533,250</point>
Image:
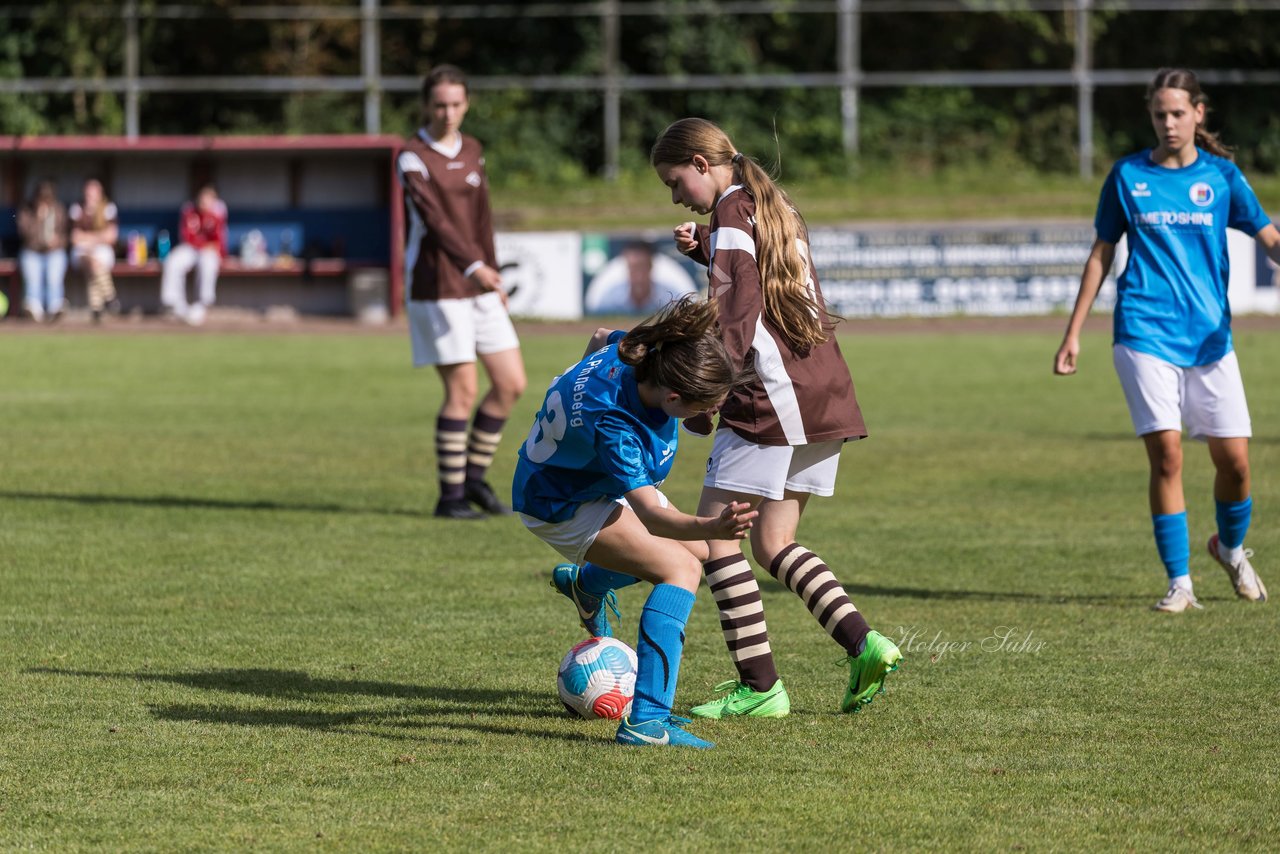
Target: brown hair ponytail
<point>680,348</point>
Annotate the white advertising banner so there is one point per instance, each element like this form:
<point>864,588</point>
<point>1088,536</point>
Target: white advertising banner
<point>542,272</point>
<point>988,269</point>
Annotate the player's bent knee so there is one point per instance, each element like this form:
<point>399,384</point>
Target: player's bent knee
<point>685,573</point>
<point>699,549</point>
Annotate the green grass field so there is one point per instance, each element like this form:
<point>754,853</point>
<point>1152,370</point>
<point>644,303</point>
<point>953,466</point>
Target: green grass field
<point>228,621</point>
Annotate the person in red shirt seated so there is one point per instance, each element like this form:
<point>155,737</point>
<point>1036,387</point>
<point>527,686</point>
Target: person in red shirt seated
<point>202,232</point>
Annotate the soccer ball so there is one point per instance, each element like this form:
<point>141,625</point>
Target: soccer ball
<point>597,679</point>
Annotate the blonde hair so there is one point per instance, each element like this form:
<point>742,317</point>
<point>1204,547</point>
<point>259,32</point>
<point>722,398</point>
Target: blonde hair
<point>1187,81</point>
<point>680,348</point>
<point>789,302</point>
<point>99,215</point>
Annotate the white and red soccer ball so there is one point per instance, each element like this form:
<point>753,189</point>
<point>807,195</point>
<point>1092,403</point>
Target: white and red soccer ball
<point>597,679</point>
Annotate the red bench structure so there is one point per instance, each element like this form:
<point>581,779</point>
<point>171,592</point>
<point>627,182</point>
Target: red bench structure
<point>336,196</point>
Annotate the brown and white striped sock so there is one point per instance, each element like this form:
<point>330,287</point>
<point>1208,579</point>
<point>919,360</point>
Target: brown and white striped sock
<point>451,456</point>
<point>101,289</point>
<point>810,579</point>
<point>482,444</point>
<point>737,597</point>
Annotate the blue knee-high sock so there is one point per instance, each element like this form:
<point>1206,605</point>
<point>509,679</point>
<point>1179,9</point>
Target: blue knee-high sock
<point>598,581</point>
<point>658,651</point>
<point>1173,542</point>
<point>1233,521</point>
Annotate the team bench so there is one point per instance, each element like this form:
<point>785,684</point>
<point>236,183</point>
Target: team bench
<point>294,271</point>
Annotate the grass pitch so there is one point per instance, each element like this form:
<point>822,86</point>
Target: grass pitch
<point>228,621</point>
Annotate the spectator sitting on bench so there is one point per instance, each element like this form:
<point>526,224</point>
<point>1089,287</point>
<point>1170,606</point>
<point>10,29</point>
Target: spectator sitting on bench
<point>202,234</point>
<point>42,222</point>
<point>94,231</point>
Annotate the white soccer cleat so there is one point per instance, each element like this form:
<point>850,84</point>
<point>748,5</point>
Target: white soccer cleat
<point>1176,601</point>
<point>1243,577</point>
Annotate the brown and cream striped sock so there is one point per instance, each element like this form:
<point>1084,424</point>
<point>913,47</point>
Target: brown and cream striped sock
<point>737,597</point>
<point>810,579</point>
<point>451,456</point>
<point>482,444</point>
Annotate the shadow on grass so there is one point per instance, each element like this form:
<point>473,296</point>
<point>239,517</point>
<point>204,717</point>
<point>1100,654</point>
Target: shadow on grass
<point>355,723</point>
<point>771,587</point>
<point>442,707</point>
<point>205,503</point>
<point>995,596</point>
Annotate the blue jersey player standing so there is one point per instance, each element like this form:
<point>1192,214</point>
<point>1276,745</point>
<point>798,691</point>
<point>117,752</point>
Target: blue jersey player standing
<point>1172,347</point>
<point>587,480</point>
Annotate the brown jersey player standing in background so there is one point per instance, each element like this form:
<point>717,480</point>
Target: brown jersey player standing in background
<point>455,303</point>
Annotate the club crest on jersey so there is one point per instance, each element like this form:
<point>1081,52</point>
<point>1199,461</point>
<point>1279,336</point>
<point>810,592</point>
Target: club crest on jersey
<point>1141,189</point>
<point>474,179</point>
<point>1201,194</point>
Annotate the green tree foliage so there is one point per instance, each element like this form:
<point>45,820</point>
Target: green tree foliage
<point>539,136</point>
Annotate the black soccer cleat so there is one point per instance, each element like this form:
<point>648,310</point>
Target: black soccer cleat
<point>482,495</point>
<point>457,508</point>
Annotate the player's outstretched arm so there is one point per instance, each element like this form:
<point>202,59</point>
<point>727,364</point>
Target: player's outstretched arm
<point>1095,270</point>
<point>733,523</point>
<point>1269,239</point>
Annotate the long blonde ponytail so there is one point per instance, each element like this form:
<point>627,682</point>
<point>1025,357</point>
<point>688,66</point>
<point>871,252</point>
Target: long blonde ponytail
<point>789,299</point>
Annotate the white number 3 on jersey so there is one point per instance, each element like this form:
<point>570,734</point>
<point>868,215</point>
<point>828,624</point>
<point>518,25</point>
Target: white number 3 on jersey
<point>548,432</point>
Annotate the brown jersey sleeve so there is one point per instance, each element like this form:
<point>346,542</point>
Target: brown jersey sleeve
<point>734,275</point>
<point>702,252</point>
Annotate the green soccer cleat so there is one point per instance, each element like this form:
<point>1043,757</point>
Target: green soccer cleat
<point>593,611</point>
<point>879,658</point>
<point>744,701</point>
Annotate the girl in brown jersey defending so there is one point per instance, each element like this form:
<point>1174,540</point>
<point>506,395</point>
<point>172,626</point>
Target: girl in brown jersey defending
<point>456,305</point>
<point>779,438</point>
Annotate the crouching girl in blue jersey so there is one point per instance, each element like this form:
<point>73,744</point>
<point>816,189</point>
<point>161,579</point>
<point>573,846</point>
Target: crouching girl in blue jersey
<point>587,479</point>
<point>1172,347</point>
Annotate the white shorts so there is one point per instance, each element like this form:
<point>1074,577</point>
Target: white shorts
<point>738,465</point>
<point>105,255</point>
<point>574,537</point>
<point>1161,396</point>
<point>453,331</point>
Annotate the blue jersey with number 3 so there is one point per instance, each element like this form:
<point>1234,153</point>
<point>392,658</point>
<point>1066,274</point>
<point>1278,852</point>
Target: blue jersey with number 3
<point>593,439</point>
<point>1171,299</point>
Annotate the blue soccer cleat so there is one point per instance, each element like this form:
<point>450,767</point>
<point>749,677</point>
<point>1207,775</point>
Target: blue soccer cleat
<point>666,732</point>
<point>592,611</point>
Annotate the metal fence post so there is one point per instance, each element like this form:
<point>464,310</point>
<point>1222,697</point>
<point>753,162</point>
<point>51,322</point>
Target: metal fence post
<point>131,88</point>
<point>610,26</point>
<point>1084,88</point>
<point>849,49</point>
<point>371,65</point>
